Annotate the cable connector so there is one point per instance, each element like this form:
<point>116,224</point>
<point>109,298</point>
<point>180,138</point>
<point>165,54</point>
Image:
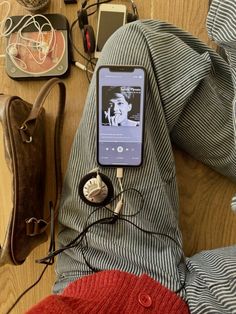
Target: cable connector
<point>119,173</point>
<point>81,66</point>
<point>118,207</point>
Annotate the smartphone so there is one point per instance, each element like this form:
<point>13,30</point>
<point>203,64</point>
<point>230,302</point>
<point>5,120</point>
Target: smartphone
<point>110,18</point>
<point>120,115</point>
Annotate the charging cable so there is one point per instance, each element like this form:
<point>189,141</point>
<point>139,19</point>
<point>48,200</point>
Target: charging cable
<point>119,206</point>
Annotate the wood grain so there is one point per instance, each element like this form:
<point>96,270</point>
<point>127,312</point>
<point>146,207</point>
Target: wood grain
<point>205,217</point>
<point>189,15</point>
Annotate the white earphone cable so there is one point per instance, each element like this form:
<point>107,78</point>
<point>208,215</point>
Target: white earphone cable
<point>42,46</point>
<point>119,205</point>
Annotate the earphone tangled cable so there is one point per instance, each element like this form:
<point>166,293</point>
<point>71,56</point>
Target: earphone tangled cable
<point>90,60</point>
<point>41,45</point>
<point>82,19</point>
<point>108,220</point>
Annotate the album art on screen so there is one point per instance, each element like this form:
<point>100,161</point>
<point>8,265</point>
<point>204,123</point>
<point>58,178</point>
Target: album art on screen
<point>121,105</point>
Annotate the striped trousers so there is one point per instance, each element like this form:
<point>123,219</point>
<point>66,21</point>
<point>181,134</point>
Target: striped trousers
<point>189,102</point>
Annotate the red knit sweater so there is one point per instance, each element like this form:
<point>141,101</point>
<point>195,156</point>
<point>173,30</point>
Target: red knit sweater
<point>113,292</point>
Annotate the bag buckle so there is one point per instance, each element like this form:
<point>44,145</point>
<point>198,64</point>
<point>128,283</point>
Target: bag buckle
<point>35,226</point>
<point>26,137</point>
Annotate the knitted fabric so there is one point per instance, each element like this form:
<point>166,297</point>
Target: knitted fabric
<point>113,292</point>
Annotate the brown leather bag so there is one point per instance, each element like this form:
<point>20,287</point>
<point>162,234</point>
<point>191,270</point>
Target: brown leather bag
<point>23,172</point>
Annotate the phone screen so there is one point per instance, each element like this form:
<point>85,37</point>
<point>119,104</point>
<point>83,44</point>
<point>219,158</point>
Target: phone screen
<point>109,22</point>
<point>121,98</point>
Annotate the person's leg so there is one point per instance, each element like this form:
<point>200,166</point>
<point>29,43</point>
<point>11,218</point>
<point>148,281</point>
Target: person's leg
<point>211,284</point>
<point>178,72</point>
<point>211,281</point>
<point>122,246</point>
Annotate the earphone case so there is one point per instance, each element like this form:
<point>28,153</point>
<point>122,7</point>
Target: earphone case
<point>57,61</point>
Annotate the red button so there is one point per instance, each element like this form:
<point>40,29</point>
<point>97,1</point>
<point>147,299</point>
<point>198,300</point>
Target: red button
<point>144,299</point>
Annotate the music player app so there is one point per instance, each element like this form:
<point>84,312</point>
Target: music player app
<point>120,116</point>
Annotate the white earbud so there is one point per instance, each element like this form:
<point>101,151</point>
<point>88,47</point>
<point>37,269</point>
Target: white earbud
<point>95,190</point>
<point>44,47</point>
<point>13,51</point>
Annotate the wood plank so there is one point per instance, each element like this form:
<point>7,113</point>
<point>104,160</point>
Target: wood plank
<point>189,15</point>
<point>206,219</point>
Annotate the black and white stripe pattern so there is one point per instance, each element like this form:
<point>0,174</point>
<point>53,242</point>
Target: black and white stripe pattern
<point>221,26</point>
<point>189,102</point>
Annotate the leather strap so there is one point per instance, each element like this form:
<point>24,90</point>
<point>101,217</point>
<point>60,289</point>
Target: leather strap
<point>27,131</point>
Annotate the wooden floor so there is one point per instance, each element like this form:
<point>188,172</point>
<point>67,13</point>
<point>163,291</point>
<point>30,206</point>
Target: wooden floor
<point>206,219</point>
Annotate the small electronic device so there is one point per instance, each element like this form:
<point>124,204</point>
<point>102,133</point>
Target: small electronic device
<point>120,115</point>
<point>37,47</point>
<point>110,18</point>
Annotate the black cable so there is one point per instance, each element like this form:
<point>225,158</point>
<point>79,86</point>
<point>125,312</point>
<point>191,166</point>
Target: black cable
<point>87,73</point>
<point>74,243</point>
<point>151,232</point>
<point>93,64</point>
<point>83,5</point>
<point>182,259</point>
<point>82,235</point>
<point>85,225</point>
<point>117,218</point>
<point>88,59</point>
<point>122,192</point>
<point>48,262</point>
<point>122,218</point>
<point>93,269</point>
<point>182,284</point>
<point>110,220</point>
<point>52,233</point>
<point>71,40</point>
<point>76,21</point>
<point>29,288</point>
<point>97,4</point>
